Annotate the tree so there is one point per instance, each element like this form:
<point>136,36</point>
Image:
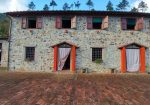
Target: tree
<point>122,6</point>
<point>90,4</point>
<point>134,9</point>
<point>66,6</point>
<point>31,6</point>
<point>77,4</point>
<point>109,6</point>
<point>53,4</point>
<point>142,6</point>
<point>46,8</point>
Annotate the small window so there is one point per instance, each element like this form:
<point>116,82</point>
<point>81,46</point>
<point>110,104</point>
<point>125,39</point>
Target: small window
<point>31,22</point>
<point>96,54</point>
<point>30,53</point>
<point>66,22</point>
<point>131,24</point>
<point>97,23</point>
<point>0,52</point>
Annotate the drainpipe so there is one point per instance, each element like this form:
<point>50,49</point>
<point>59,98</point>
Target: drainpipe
<point>9,41</point>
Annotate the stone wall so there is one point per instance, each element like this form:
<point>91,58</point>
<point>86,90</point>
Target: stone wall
<point>4,59</point>
<point>44,38</point>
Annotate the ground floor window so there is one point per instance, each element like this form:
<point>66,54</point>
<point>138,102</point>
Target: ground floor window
<point>96,54</point>
<point>30,53</point>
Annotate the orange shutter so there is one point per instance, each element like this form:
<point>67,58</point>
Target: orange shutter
<point>39,22</point>
<point>123,60</point>
<point>73,60</point>
<point>142,60</point>
<point>24,22</point>
<point>105,23</point>
<point>55,58</point>
<point>58,22</point>
<point>89,23</point>
<point>74,22</point>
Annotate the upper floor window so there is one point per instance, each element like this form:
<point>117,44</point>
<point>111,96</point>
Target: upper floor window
<point>97,22</point>
<point>132,23</point>
<point>96,54</point>
<point>31,22</point>
<point>30,53</point>
<point>66,22</point>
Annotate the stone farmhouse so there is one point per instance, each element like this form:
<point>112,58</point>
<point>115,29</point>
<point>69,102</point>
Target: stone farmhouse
<point>73,40</point>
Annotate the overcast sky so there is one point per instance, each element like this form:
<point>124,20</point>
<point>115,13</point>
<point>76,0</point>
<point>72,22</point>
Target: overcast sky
<point>19,5</point>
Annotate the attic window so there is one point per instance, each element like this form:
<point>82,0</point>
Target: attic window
<point>131,24</point>
<point>31,22</point>
<point>97,23</point>
<point>66,22</point>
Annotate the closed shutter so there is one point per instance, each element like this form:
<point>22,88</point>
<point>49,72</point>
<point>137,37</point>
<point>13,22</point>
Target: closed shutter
<point>39,23</point>
<point>105,23</point>
<point>124,23</point>
<point>89,23</point>
<point>58,22</point>
<point>74,22</point>
<point>24,22</point>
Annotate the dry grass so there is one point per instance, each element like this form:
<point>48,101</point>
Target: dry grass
<point>69,89</point>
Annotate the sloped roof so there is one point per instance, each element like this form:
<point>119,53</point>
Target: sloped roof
<point>77,12</point>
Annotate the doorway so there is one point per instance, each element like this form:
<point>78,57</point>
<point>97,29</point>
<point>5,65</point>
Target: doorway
<point>67,64</point>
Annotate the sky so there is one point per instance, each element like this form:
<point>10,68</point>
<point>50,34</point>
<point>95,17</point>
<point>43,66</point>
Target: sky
<point>21,5</point>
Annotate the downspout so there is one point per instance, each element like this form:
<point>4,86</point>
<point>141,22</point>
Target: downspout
<point>9,41</point>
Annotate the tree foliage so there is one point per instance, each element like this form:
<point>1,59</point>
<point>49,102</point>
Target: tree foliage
<point>77,4</point>
<point>142,6</point>
<point>109,6</point>
<point>134,9</point>
<point>31,6</point>
<point>46,8</point>
<point>90,4</point>
<point>122,6</point>
<point>53,4</point>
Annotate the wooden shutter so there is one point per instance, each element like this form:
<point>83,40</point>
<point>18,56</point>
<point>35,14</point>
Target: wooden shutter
<point>39,23</point>
<point>74,22</point>
<point>24,22</point>
<point>124,23</point>
<point>139,24</point>
<point>89,23</point>
<point>105,23</point>
<point>58,22</point>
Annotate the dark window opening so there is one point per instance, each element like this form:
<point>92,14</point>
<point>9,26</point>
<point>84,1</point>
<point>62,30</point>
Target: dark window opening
<point>66,22</point>
<point>96,54</point>
<point>0,52</point>
<point>131,24</point>
<point>97,23</point>
<point>30,53</point>
<point>67,64</point>
<point>32,22</point>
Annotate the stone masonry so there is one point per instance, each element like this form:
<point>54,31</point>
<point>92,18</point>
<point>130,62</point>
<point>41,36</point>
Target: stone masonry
<point>44,38</point>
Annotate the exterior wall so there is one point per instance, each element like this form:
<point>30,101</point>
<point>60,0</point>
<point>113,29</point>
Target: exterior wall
<point>4,59</point>
<point>44,38</point>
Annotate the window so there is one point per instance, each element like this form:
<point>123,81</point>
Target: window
<point>96,54</point>
<point>66,22</point>
<point>97,23</point>
<point>31,22</point>
<point>30,53</point>
<point>131,23</point>
<point>0,52</point>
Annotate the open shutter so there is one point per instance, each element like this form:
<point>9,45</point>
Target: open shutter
<point>58,22</point>
<point>39,23</point>
<point>24,22</point>
<point>74,22</point>
<point>89,23</point>
<point>140,23</point>
<point>124,23</point>
<point>105,23</point>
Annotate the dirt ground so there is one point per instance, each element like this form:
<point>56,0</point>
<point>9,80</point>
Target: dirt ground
<point>73,89</point>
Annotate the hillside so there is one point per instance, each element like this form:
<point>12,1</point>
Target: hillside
<point>4,26</point>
